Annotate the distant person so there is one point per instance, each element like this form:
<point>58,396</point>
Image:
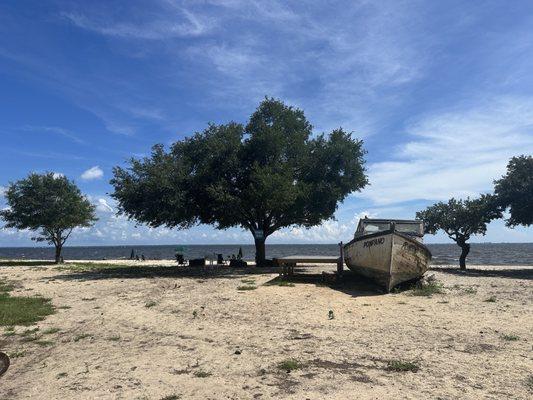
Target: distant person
<point>137,258</point>
<point>239,256</point>
<point>143,258</point>
<point>132,255</point>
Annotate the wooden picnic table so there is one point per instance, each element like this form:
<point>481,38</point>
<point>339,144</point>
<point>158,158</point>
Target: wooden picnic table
<point>287,264</point>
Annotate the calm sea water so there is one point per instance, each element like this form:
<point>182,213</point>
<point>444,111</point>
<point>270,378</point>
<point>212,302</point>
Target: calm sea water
<point>484,254</point>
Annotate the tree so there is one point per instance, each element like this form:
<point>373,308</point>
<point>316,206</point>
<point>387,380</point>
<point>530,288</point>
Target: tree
<point>50,204</point>
<point>264,176</point>
<point>460,219</point>
<point>515,191</point>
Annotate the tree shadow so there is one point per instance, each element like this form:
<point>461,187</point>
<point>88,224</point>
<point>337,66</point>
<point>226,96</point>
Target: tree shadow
<point>510,273</point>
<point>139,272</point>
<point>350,283</point>
<point>25,263</point>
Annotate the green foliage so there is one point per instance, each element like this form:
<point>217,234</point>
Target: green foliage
<point>510,338</point>
<point>515,191</point>
<point>491,299</point>
<point>23,310</point>
<point>426,288</point>
<point>202,374</point>
<point>266,175</point>
<point>460,219</point>
<point>403,366</point>
<point>82,336</point>
<point>290,365</point>
<point>49,204</point>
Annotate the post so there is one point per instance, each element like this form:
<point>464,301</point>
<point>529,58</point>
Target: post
<point>340,263</point>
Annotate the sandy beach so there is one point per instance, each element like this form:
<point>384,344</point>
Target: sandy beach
<point>154,332</point>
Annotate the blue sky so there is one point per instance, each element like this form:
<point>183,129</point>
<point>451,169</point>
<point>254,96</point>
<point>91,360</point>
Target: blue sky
<point>440,91</point>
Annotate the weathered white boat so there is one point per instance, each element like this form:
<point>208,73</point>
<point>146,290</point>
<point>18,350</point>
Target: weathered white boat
<point>388,251</point>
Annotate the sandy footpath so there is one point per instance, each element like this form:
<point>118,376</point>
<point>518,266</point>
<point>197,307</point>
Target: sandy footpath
<point>167,332</point>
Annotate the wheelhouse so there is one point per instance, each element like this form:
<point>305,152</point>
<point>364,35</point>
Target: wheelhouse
<point>368,226</point>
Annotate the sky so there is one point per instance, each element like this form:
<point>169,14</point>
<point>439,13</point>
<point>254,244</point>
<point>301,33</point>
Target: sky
<point>441,92</point>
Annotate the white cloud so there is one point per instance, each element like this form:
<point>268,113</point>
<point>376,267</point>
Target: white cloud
<point>164,21</point>
<point>92,174</point>
<point>103,206</point>
<point>55,129</point>
<point>456,153</point>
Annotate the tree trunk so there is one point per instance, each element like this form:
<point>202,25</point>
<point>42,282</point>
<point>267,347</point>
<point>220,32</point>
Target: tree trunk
<point>260,253</point>
<point>58,254</point>
<point>465,249</point>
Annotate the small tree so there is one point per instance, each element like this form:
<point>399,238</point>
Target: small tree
<point>460,219</point>
<point>50,204</point>
<point>515,191</point>
<point>262,177</point>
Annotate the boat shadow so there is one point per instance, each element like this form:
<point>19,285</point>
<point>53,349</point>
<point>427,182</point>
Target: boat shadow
<point>510,273</point>
<point>350,283</point>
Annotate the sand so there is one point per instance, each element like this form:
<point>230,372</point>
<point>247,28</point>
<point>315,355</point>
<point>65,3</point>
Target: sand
<point>156,334</point>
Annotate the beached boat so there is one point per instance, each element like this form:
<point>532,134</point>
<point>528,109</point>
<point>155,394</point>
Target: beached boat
<point>388,251</point>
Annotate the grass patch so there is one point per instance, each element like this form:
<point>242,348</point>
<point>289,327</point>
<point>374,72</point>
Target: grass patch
<point>29,332</point>
<point>51,331</point>
<point>44,343</point>
<point>150,304</point>
<point>23,263</point>
<point>64,307</point>
<point>77,338</point>
<point>510,338</point>
<point>17,354</point>
<point>202,374</point>
<point>427,288</point>
<point>114,338</point>
<point>491,299</point>
<point>22,310</point>
<point>403,366</point>
<point>290,365</point>
<point>248,281</point>
<point>247,287</point>
<point>86,267</point>
<point>279,282</point>
<point>88,298</point>
<point>171,397</point>
<point>27,339</point>
<point>61,375</point>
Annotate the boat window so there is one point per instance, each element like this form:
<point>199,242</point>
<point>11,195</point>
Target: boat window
<point>411,229</point>
<point>375,227</point>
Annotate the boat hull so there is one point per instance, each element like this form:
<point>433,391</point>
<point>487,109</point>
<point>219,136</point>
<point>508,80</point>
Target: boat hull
<point>389,258</point>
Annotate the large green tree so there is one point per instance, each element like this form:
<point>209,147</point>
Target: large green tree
<point>49,204</point>
<point>460,219</point>
<point>515,191</point>
<point>268,174</point>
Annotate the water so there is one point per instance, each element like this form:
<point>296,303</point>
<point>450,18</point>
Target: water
<point>480,254</point>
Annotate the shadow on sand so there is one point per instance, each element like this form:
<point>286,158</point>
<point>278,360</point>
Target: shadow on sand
<point>350,283</point>
<point>136,272</point>
<point>511,273</point>
<point>25,263</point>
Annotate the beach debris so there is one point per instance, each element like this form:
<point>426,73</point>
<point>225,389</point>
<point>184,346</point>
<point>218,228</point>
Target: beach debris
<point>4,363</point>
<point>331,315</point>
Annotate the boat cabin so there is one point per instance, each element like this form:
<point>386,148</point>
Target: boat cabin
<point>368,226</point>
